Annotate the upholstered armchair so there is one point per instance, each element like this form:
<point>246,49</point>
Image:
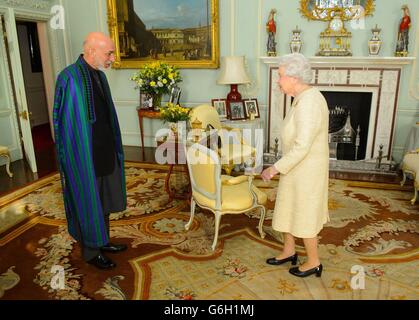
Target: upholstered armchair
<point>410,165</point>
<point>4,152</point>
<point>234,149</point>
<point>218,193</point>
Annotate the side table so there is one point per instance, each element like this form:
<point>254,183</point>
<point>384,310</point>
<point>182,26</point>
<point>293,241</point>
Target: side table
<point>254,135</point>
<point>175,153</point>
<point>146,113</point>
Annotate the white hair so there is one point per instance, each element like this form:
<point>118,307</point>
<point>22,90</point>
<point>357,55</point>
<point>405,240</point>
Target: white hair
<point>296,65</point>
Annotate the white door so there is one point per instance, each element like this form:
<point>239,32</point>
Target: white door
<point>19,85</point>
<point>9,128</point>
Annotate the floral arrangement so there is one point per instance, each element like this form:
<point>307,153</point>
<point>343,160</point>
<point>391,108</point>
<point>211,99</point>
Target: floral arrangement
<point>174,113</point>
<point>156,78</point>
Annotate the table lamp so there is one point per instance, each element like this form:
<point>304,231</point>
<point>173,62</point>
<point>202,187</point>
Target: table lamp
<point>233,73</point>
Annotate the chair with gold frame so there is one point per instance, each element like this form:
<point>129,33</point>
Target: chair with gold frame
<point>4,152</point>
<point>410,165</point>
<point>221,194</point>
<point>233,149</point>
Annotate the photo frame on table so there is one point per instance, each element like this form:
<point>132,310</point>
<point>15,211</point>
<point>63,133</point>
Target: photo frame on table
<point>251,106</point>
<point>221,106</point>
<point>237,110</point>
<point>175,95</point>
<point>146,101</point>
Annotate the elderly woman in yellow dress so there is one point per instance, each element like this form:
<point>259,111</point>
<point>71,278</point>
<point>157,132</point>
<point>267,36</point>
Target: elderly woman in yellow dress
<point>301,207</point>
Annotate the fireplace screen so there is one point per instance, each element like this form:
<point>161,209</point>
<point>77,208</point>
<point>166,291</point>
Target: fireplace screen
<point>349,117</point>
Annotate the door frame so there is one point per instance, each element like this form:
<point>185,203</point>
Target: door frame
<point>49,48</point>
<point>16,148</point>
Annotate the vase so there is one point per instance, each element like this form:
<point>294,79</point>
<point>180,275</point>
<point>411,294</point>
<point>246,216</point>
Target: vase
<point>374,44</point>
<point>156,101</point>
<point>296,43</point>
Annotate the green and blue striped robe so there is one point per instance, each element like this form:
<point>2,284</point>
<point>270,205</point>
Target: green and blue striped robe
<point>73,116</point>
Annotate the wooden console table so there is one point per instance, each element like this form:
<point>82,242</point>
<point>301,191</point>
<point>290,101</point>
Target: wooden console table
<point>145,113</point>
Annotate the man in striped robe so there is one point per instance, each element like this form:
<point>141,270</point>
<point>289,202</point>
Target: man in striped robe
<point>89,150</point>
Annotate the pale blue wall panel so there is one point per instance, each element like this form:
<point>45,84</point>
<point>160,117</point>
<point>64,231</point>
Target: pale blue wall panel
<point>242,32</point>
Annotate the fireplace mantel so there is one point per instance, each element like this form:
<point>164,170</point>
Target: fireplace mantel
<point>350,61</point>
<point>378,75</point>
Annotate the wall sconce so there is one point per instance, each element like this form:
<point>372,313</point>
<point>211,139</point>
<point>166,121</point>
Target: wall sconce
<point>233,73</point>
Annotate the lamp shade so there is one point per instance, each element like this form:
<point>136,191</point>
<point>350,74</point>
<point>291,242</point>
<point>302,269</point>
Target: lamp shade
<point>233,71</point>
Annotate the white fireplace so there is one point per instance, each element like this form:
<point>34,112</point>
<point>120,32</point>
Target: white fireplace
<point>379,76</point>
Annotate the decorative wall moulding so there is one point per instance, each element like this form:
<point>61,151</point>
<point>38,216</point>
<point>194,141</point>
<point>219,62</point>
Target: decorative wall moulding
<point>27,4</point>
<point>368,62</point>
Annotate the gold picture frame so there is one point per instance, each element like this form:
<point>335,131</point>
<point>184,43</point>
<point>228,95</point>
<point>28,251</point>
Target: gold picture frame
<point>179,44</point>
<point>323,10</point>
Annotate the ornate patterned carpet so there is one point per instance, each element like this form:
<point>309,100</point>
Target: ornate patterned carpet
<point>373,227</point>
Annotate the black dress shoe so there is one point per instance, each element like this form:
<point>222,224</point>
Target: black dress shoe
<point>102,262</point>
<point>316,270</point>
<point>112,248</point>
<point>276,262</point>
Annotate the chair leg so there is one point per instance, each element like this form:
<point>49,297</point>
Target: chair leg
<point>261,220</point>
<point>415,197</point>
<point>404,179</point>
<point>217,227</point>
<point>193,205</point>
<point>8,165</point>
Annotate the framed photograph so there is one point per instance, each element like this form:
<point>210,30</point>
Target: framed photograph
<point>184,33</point>
<point>237,110</point>
<point>146,101</point>
<point>175,95</point>
<point>252,107</point>
<point>221,106</point>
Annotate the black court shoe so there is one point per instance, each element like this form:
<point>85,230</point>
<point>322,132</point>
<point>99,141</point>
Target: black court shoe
<point>274,261</point>
<point>316,270</point>
<point>102,262</point>
<point>113,248</point>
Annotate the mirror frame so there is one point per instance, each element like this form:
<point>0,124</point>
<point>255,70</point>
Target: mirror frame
<point>369,7</point>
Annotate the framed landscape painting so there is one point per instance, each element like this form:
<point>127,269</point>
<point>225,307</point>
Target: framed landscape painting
<point>184,33</point>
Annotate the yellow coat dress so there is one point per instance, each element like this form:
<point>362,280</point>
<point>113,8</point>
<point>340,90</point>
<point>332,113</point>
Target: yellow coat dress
<point>301,206</point>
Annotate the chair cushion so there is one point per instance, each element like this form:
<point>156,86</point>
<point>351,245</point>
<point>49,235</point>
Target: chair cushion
<point>411,163</point>
<point>262,197</point>
<point>4,149</point>
<point>234,198</point>
<point>234,180</point>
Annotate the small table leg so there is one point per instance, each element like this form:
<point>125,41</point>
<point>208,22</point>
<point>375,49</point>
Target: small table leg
<point>140,119</point>
<point>172,194</point>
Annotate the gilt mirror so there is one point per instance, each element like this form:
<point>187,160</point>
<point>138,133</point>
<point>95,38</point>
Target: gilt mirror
<point>324,10</point>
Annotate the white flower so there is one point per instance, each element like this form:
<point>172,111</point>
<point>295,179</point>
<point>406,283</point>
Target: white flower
<point>160,84</point>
